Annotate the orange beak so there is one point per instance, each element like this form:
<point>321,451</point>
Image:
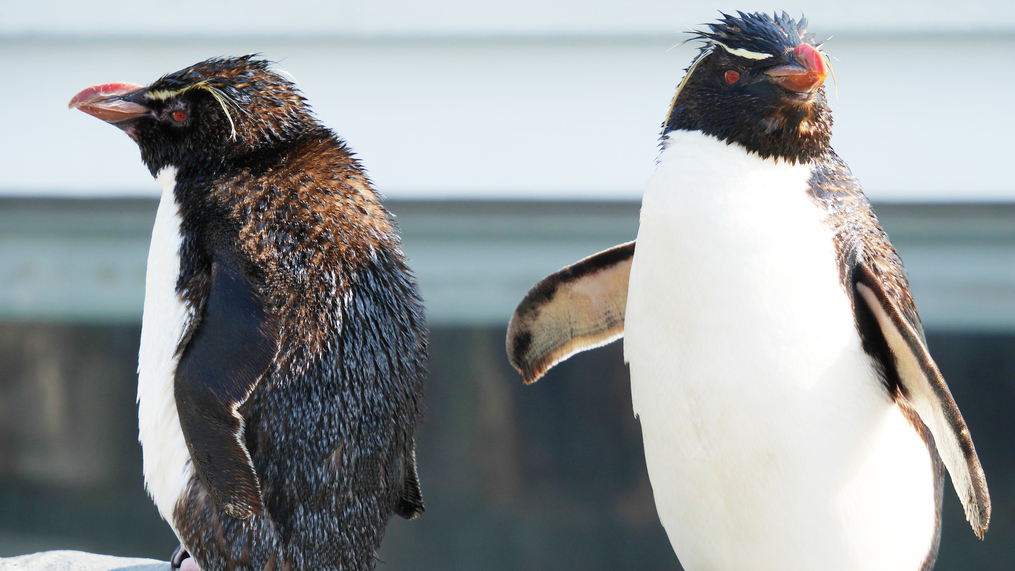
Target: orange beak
<point>806,74</point>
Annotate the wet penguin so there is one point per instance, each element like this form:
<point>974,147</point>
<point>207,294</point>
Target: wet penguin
<point>283,348</point>
<point>792,416</point>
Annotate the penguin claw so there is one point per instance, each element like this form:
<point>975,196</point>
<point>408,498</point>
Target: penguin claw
<point>179,554</point>
<point>182,561</point>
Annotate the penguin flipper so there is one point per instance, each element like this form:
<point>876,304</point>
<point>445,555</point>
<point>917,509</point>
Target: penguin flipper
<point>922,385</point>
<point>578,308</point>
<point>410,504</point>
<point>225,358</point>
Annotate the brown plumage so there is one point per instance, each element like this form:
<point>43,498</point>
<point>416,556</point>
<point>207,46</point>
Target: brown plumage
<point>298,376</point>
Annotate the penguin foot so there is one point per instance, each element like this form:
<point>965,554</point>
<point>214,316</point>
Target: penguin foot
<point>182,561</point>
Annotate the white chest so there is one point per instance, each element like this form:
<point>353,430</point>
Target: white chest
<point>769,439</point>
<point>167,466</point>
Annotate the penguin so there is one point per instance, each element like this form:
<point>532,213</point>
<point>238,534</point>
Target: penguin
<point>792,416</point>
<point>284,344</point>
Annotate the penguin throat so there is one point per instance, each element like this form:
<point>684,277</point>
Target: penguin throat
<point>790,130</point>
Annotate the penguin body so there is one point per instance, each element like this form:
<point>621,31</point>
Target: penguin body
<point>792,416</point>
<point>770,439</point>
<point>283,346</point>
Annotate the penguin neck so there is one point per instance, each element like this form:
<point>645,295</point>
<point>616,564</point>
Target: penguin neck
<point>189,182</point>
<point>166,179</point>
<point>703,163</point>
<point>785,130</point>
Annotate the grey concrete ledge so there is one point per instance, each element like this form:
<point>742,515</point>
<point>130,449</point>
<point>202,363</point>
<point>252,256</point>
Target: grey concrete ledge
<point>78,561</point>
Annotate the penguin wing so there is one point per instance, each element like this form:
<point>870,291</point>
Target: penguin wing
<point>578,308</point>
<point>921,384</point>
<point>226,356</point>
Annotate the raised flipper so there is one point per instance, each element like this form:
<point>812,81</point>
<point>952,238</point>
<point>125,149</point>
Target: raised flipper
<point>921,384</point>
<point>578,308</point>
<point>232,348</point>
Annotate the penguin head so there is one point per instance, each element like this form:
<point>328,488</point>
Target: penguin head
<point>209,114</point>
<point>758,82</point>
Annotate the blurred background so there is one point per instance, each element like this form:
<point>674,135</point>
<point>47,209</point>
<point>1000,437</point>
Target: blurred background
<point>511,138</point>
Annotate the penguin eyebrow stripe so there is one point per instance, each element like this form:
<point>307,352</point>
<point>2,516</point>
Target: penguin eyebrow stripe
<point>740,52</point>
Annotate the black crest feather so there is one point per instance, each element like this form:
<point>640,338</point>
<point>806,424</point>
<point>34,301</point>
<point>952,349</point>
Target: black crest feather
<point>758,32</point>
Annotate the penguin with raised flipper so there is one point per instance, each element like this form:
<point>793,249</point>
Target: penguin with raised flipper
<point>792,416</point>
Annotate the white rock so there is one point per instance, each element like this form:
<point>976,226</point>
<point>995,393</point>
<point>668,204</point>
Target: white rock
<point>78,561</point>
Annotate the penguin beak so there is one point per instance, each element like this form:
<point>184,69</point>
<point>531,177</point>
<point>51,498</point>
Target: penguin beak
<point>114,103</point>
<point>807,72</point>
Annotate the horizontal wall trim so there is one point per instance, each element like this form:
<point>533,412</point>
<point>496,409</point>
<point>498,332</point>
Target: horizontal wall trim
<point>65,260</point>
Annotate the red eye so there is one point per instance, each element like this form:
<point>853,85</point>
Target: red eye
<point>180,116</point>
<point>732,77</point>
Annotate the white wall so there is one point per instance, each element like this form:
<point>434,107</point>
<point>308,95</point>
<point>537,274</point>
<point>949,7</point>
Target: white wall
<point>528,99</point>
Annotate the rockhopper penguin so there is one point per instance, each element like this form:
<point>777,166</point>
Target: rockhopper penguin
<point>792,416</point>
<point>283,347</point>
